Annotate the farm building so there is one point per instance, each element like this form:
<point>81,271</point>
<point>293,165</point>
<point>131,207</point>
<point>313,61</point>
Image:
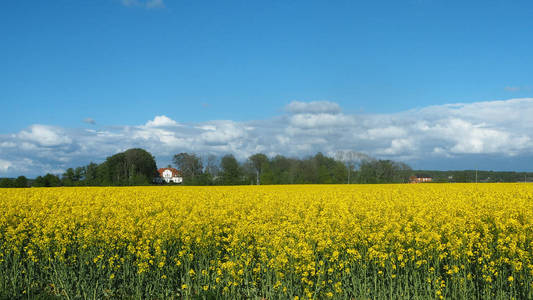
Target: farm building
<point>420,179</point>
<point>170,175</point>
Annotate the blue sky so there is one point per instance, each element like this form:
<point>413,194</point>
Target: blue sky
<point>120,64</point>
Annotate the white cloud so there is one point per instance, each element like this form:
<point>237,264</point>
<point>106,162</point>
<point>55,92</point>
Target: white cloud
<point>7,145</point>
<point>466,137</point>
<point>4,165</point>
<point>501,129</point>
<point>398,147</point>
<point>222,133</point>
<point>156,135</point>
<point>45,135</point>
<point>386,132</point>
<point>161,121</point>
<point>320,120</point>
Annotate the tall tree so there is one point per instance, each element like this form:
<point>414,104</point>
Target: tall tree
<point>259,162</point>
<point>69,178</point>
<point>367,172</point>
<point>79,173</point>
<point>212,166</point>
<point>48,180</point>
<point>21,182</point>
<point>132,167</point>
<point>189,164</point>
<point>91,174</point>
<point>383,171</point>
<point>231,173</point>
<point>6,183</point>
<point>281,170</point>
<point>352,160</point>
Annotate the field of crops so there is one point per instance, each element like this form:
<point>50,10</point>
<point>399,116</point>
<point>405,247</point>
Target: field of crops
<point>276,242</point>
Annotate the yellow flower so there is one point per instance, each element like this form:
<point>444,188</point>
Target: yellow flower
<point>295,236</point>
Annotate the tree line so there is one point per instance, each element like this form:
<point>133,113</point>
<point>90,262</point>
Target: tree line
<point>129,168</point>
<point>138,167</point>
<point>132,167</point>
<point>260,169</point>
<point>475,176</point>
<point>19,182</point>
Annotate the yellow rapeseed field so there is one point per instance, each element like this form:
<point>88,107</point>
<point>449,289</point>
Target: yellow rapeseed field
<point>277,242</point>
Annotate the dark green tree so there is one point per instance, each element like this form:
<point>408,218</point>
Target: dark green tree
<point>383,171</point>
<point>132,167</point>
<point>328,169</point>
<point>48,180</point>
<point>280,170</point>
<point>69,178</point>
<point>90,174</point>
<point>6,183</point>
<point>21,182</point>
<point>367,172</point>
<point>52,180</point>
<point>231,173</point>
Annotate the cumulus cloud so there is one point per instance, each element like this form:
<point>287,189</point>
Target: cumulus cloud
<point>320,120</point>
<point>161,121</point>
<point>43,135</point>
<point>500,130</point>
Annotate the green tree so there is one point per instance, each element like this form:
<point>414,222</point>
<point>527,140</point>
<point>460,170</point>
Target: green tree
<point>132,167</point>
<point>90,174</point>
<point>79,174</point>
<point>351,160</point>
<point>48,180</point>
<point>307,172</point>
<point>38,182</point>
<point>141,164</point>
<point>190,165</point>
<point>68,178</point>
<point>231,172</point>
<point>21,182</point>
<point>212,166</point>
<point>383,171</point>
<point>402,172</point>
<point>52,180</point>
<point>328,169</point>
<point>280,170</point>
<point>6,183</point>
<point>259,162</point>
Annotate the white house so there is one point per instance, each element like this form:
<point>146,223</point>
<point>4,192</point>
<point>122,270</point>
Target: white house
<point>170,175</point>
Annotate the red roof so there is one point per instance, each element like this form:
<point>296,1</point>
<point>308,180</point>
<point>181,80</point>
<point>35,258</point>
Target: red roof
<point>175,173</point>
